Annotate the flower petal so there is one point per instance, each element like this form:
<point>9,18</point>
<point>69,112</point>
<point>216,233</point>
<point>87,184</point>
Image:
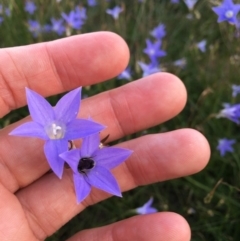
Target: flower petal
<point>82,188</point>
<point>110,157</point>
<point>52,150</point>
<point>103,179</point>
<point>72,158</point>
<point>149,202</point>
<point>146,208</point>
<point>151,210</point>
<point>41,111</point>
<point>68,106</point>
<point>30,129</point>
<point>79,128</point>
<point>90,145</point>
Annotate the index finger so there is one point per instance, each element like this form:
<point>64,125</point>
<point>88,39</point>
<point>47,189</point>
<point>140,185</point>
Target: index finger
<point>57,66</point>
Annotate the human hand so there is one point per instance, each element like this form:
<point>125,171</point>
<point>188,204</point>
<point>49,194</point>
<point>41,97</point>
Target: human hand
<point>33,202</point>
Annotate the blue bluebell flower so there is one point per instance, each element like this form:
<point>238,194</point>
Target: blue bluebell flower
<point>175,1</point>
<point>148,68</point>
<point>73,20</point>
<point>153,50</point>
<point>146,208</point>
<point>34,27</point>
<point>126,74</point>
<point>8,12</point>
<point>235,90</point>
<point>91,165</point>
<point>190,4</point>
<point>181,63</point>
<point>225,145</point>
<point>202,45</point>
<point>81,12</point>
<point>227,11</point>
<point>92,3</point>
<point>159,32</point>
<point>114,12</point>
<point>57,26</point>
<point>30,7</point>
<point>231,112</point>
<point>1,8</point>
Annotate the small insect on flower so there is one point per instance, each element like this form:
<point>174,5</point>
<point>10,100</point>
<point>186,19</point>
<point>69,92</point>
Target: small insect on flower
<point>85,164</point>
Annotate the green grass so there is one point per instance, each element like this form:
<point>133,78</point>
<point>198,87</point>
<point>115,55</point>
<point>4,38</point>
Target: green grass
<point>214,193</point>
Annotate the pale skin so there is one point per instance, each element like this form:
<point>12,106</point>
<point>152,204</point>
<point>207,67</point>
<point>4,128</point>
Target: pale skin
<point>34,201</point>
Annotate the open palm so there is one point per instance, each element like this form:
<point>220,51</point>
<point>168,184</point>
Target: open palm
<point>33,201</point>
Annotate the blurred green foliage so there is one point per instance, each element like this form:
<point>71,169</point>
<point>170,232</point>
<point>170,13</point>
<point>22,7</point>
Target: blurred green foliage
<point>210,200</point>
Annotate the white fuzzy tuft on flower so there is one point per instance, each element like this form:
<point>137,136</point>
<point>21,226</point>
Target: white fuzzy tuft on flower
<point>55,130</point>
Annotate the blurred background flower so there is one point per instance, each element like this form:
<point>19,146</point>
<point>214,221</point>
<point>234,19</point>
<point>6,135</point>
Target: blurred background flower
<point>225,145</point>
<point>146,208</point>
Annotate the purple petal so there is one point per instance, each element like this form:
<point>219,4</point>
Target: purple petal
<point>52,150</point>
<point>82,188</point>
<point>151,210</point>
<point>101,178</point>
<point>225,145</point>
<point>146,208</point>
<point>68,106</point>
<point>110,157</point>
<point>41,111</point>
<point>72,158</point>
<point>90,145</point>
<point>149,202</point>
<point>30,129</point>
<point>65,16</point>
<point>79,128</point>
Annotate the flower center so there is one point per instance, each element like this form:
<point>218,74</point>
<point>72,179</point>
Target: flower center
<point>85,164</point>
<point>152,52</point>
<point>55,130</point>
<point>229,14</point>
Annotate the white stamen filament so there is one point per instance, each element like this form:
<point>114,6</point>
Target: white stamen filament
<point>229,14</point>
<point>55,130</point>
